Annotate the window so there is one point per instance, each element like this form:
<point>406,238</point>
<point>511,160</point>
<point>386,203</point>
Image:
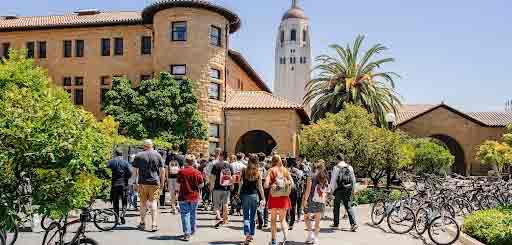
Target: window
<point>214,91</point>
<point>118,46</point>
<point>79,96</point>
<point>214,130</point>
<point>282,36</point>
<point>300,59</point>
<point>178,70</point>
<point>215,36</point>
<point>145,45</point>
<point>79,81</point>
<point>293,60</point>
<point>41,49</point>
<point>5,50</point>
<point>240,84</point>
<point>145,77</point>
<point>293,35</point>
<point>212,146</point>
<point>67,48</point>
<point>305,60</point>
<point>103,95</point>
<point>105,80</point>
<point>79,48</point>
<point>179,31</point>
<point>215,73</point>
<point>30,49</point>
<point>105,47</point>
<point>304,35</point>
<point>66,81</point>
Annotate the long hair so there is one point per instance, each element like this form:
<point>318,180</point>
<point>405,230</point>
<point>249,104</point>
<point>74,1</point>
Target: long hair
<point>251,172</point>
<point>321,172</point>
<point>232,159</point>
<point>276,161</point>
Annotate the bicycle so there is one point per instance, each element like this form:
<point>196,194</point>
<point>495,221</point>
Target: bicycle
<point>2,238</point>
<point>100,217</point>
<point>397,213</point>
<point>55,233</point>
<point>436,219</point>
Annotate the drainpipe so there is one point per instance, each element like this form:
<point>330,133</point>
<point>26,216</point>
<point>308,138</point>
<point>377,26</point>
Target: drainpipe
<point>225,84</point>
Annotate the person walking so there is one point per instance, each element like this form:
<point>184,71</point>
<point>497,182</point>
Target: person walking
<point>150,170</point>
<point>315,197</point>
<point>296,193</point>
<point>238,166</point>
<point>251,183</point>
<point>121,174</point>
<point>221,185</point>
<point>190,182</point>
<point>280,182</point>
<point>132,184</point>
<point>262,212</point>
<point>172,183</point>
<point>343,181</point>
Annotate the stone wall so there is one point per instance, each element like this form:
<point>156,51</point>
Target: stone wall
<point>238,79</point>
<point>467,133</point>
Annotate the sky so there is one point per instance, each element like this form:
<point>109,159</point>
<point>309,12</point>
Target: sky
<point>457,52</point>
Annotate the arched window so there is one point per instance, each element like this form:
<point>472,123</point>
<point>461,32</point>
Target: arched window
<point>282,36</point>
<point>293,35</point>
<point>304,35</point>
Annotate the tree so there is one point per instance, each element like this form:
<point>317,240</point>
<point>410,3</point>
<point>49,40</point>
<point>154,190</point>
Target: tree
<point>353,77</point>
<point>431,156</point>
<point>371,150</point>
<point>497,154</point>
<point>162,108</point>
<point>46,144</point>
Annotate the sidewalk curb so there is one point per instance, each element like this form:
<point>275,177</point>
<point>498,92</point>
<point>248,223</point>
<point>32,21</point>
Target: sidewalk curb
<point>464,238</point>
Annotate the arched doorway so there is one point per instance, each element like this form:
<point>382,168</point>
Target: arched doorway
<point>256,141</point>
<point>459,166</point>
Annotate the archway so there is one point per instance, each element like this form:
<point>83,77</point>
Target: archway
<point>256,141</point>
<point>459,166</point>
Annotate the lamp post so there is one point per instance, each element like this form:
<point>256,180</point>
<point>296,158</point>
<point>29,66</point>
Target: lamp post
<point>391,120</point>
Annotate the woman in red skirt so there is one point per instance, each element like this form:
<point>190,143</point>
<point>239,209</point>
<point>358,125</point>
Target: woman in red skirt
<point>280,183</point>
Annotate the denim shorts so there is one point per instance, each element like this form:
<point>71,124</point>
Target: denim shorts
<point>314,207</point>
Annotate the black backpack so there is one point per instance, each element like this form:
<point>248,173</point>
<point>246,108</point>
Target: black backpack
<point>298,181</point>
<point>344,180</point>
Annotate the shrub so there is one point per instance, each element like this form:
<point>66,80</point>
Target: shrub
<point>368,196</point>
<point>492,227</point>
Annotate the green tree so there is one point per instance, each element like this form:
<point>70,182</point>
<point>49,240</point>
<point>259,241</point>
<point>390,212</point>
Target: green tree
<point>497,154</point>
<point>431,157</point>
<point>371,150</point>
<point>46,143</point>
<point>353,77</point>
<point>163,108</point>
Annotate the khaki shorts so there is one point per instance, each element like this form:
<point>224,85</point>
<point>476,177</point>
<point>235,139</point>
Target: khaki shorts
<point>149,193</point>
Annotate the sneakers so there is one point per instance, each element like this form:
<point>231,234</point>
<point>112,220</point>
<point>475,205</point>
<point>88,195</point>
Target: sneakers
<point>123,221</point>
<point>185,238</point>
<point>273,242</point>
<point>290,228</point>
<point>311,238</point>
<point>219,224</point>
<point>333,226</point>
<point>354,228</point>
<point>141,227</point>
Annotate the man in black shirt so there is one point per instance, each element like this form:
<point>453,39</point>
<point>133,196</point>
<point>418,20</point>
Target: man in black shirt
<point>221,185</point>
<point>121,173</point>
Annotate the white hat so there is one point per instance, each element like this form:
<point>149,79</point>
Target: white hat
<point>148,142</point>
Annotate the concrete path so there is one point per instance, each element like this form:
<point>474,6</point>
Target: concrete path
<point>170,230</point>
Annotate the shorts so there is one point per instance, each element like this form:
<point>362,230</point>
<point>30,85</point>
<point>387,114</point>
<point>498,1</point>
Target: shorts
<point>314,207</point>
<point>220,198</point>
<point>149,193</point>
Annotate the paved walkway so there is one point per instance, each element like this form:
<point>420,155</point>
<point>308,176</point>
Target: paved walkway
<point>170,229</point>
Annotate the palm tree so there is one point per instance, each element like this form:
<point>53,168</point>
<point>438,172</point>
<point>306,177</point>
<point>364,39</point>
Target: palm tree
<point>346,78</point>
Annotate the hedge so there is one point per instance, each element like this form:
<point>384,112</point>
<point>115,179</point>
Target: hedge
<point>492,227</point>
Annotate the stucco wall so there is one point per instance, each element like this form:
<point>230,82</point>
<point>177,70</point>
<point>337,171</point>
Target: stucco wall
<point>468,134</point>
<point>237,76</point>
<point>283,125</point>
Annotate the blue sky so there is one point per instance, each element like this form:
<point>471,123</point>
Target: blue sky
<point>453,51</point>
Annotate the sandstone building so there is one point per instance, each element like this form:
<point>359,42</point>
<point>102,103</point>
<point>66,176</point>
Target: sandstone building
<point>83,51</point>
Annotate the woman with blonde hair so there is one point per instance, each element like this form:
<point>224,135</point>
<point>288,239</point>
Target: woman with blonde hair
<point>314,199</point>
<point>251,184</point>
<point>280,183</point>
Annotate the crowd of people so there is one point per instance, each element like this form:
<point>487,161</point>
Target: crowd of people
<point>262,188</point>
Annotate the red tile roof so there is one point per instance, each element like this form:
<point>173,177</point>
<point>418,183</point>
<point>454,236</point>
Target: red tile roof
<point>70,20</point>
<point>487,119</point>
<point>243,100</point>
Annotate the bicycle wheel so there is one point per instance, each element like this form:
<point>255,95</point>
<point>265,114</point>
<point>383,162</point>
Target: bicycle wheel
<point>462,207</point>
<point>53,235</point>
<point>11,236</point>
<point>444,230</point>
<point>105,219</point>
<point>2,239</point>
<point>46,222</point>
<point>421,221</point>
<point>401,220</point>
<point>378,211</point>
<point>86,240</point>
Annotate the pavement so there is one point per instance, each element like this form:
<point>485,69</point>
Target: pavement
<point>170,231</point>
